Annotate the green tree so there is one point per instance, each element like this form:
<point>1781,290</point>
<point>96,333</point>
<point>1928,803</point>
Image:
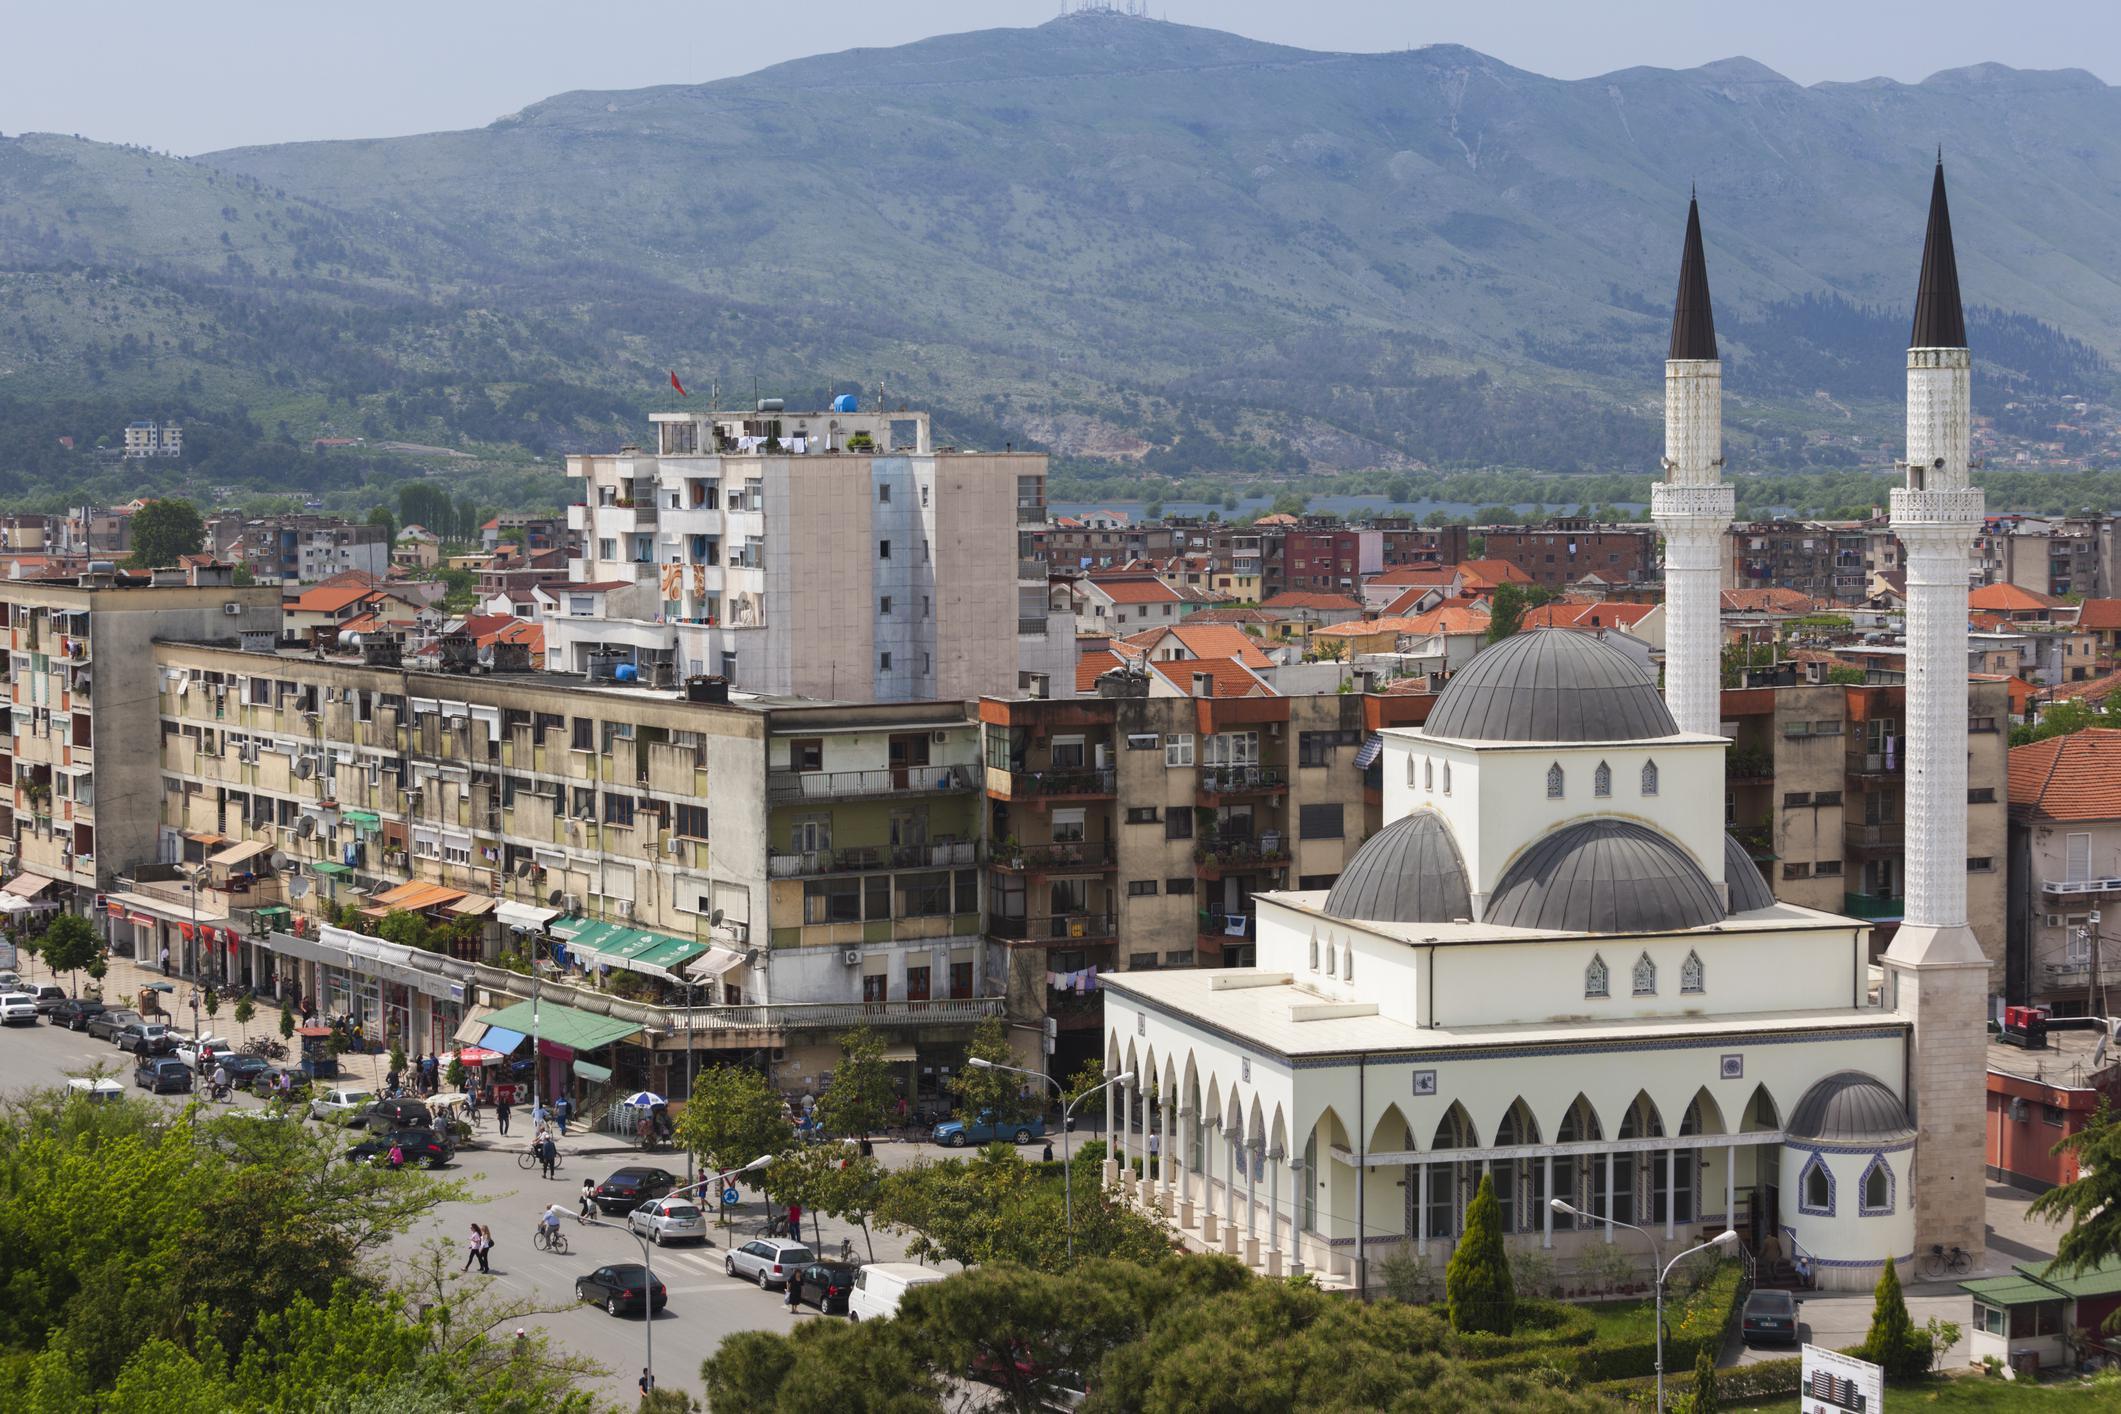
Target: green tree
<point>994,1207</point>
<point>210,1003</point>
<point>733,1117</point>
<point>455,1073</point>
<point>241,576</point>
<point>70,944</point>
<point>1847,675</point>
<point>1477,1282</point>
<point>380,515</point>
<point>2090,1202</point>
<point>865,1368</point>
<point>164,532</point>
<point>1025,1328</point>
<point>858,1101</point>
<point>397,1057</point>
<point>837,1180</point>
<point>1090,1076</point>
<point>1510,603</point>
<point>287,1023</point>
<point>997,1090</point>
<point>1704,1382</point>
<point>1893,1342</point>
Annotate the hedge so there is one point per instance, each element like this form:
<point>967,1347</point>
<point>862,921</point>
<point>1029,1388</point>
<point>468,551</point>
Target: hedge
<point>1710,1313</point>
<point>1762,1380</point>
<point>1542,1325</point>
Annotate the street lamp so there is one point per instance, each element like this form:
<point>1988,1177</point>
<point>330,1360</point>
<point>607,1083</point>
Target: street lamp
<point>1067,1119</point>
<point>1723,1241</point>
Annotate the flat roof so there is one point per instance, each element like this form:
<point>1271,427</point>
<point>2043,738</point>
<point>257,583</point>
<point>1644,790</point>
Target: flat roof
<point>2065,1063</point>
<point>1779,918</point>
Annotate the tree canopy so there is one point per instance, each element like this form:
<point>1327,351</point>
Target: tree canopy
<point>164,532</point>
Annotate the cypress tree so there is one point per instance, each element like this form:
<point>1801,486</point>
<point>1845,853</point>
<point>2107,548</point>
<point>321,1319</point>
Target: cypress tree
<point>1892,1336</point>
<point>1705,1382</point>
<point>1477,1283</point>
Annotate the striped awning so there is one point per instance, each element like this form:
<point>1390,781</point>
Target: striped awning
<point>632,949</point>
<point>1371,750</point>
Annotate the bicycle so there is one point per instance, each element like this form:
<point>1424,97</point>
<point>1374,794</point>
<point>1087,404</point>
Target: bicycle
<point>528,1160</point>
<point>1937,1263</point>
<point>549,1239</point>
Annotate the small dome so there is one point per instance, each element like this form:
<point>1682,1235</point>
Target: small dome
<point>1849,1105</point>
<point>1605,876</point>
<point>1551,684</point>
<point>1408,872</point>
<point>1742,879</point>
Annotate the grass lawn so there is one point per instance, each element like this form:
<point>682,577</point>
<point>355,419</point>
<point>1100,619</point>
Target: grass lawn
<point>1976,1393</point>
<point>1625,1320</point>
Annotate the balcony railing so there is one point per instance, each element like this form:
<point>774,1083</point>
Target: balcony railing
<point>1030,515</point>
<point>804,863</point>
<point>1216,853</point>
<point>1233,780</point>
<point>1060,928</point>
<point>850,785</point>
<point>1228,925</point>
<point>1064,781</point>
<point>1876,907</point>
<point>2080,886</point>
<point>1068,854</point>
<point>1031,569</point>
<point>1875,836</point>
<point>1034,628</point>
<point>1876,763</point>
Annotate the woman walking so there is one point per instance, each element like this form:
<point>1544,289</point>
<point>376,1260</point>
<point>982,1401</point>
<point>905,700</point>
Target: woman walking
<point>475,1248</point>
<point>485,1247</point>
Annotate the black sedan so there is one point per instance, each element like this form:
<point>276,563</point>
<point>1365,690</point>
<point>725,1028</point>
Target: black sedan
<point>146,1038</point>
<point>75,1013</point>
<point>394,1114</point>
<point>106,1025</point>
<point>242,1070</point>
<point>630,1187</point>
<point>620,1289</point>
<point>420,1146</point>
<point>1770,1317</point>
<point>825,1285</point>
<point>163,1074</point>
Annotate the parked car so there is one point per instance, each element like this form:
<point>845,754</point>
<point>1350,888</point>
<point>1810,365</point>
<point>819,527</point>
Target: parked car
<point>49,997</point>
<point>146,1038</point>
<point>986,1128</point>
<point>879,1287</point>
<point>620,1288</point>
<point>666,1220</point>
<point>769,1261</point>
<point>163,1075</point>
<point>825,1285</point>
<point>399,1114</point>
<point>17,1007</point>
<point>11,982</point>
<point>1770,1317</point>
<point>242,1069</point>
<point>75,1013</point>
<point>632,1186</point>
<point>99,1090</point>
<point>421,1146</point>
<point>339,1104</point>
<point>191,1050</point>
<point>106,1024</point>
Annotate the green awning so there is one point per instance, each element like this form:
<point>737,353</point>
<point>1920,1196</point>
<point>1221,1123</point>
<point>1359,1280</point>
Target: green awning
<point>563,1025</point>
<point>633,949</point>
<point>274,912</point>
<point>2010,1291</point>
<point>325,866</point>
<point>589,1071</point>
<point>366,821</point>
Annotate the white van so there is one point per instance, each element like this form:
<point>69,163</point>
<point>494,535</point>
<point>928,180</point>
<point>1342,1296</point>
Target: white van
<point>880,1286</point>
<point>97,1092</point>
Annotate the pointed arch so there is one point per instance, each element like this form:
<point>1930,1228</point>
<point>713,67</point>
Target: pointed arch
<point>1691,977</point>
<point>1256,1127</point>
<point>1278,1135</point>
<point>1703,1115</point>
<point>1761,1113</point>
<point>1649,777</point>
<point>1645,975</point>
<point>1815,1188</point>
<point>1579,1123</point>
<point>1557,781</point>
<point>1597,978</point>
<point>1390,1131</point>
<point>1428,773</point>
<point>1875,1191</point>
<point>1641,1119</point>
<point>1447,777</point>
<point>1602,781</point>
<point>1455,1130</point>
<point>1518,1125</point>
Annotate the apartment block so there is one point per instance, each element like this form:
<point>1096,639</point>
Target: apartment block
<point>148,438</point>
<point>2065,870</point>
<point>1564,551</point>
<point>1827,560</point>
<point>836,555</point>
<point>298,549</point>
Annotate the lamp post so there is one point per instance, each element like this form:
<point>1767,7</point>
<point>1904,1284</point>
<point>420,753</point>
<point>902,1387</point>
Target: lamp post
<point>1723,1241</point>
<point>1067,1119</point>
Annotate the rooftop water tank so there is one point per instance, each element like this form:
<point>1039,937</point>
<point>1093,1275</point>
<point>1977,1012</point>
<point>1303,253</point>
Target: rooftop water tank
<point>845,402</point>
<point>770,405</point>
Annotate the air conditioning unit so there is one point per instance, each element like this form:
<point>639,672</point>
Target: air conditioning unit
<point>624,908</point>
<point>852,957</point>
<point>572,903</point>
<point>673,845</point>
<point>939,737</point>
<point>2054,920</point>
<point>2018,1109</point>
<point>663,1058</point>
<point>232,608</point>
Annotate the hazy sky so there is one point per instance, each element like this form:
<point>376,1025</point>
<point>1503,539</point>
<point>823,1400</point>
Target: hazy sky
<point>193,75</point>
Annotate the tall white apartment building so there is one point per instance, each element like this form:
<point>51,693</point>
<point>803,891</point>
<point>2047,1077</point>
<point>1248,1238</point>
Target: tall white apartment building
<point>834,555</point>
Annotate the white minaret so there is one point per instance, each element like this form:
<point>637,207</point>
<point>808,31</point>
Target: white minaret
<point>1691,505</point>
<point>1937,974</point>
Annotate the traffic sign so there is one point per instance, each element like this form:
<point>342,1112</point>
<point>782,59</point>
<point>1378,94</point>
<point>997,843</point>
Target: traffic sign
<point>729,1198</point>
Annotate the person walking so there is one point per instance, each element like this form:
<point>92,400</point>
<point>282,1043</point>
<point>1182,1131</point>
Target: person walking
<point>561,1108</point>
<point>588,1201</point>
<point>474,1247</point>
<point>548,1155</point>
<point>794,1298</point>
<point>165,959</point>
<point>485,1248</point>
<point>500,1115</point>
<point>646,1382</point>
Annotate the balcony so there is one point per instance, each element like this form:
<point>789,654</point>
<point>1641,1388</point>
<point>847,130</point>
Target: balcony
<point>2055,887</point>
<point>1886,764</point>
<point>1069,856</point>
<point>1748,765</point>
<point>1075,1011</point>
<point>1060,928</point>
<point>1878,908</point>
<point>854,785</point>
<point>1759,840</point>
<point>811,863</point>
<point>829,1016</point>
<point>1886,835</point>
<point>1077,783</point>
<point>1031,570</point>
<point>1030,515</point>
<point>1217,856</point>
<point>1030,627</point>
<point>1217,929</point>
<point>1241,780</point>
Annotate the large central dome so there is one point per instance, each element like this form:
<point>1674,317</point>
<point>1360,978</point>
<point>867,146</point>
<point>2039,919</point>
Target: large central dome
<point>1551,684</point>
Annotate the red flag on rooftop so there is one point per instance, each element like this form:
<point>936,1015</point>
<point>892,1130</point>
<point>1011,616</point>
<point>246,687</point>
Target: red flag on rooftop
<point>677,385</point>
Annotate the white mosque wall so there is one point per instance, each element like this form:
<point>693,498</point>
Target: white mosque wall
<point>1497,802</point>
<point>1847,1241</point>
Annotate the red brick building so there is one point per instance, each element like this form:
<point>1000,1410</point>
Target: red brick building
<point>1561,552</point>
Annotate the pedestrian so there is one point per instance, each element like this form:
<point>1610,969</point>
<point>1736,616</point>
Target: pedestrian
<point>795,1294</point>
<point>549,1155</point>
<point>474,1247</point>
<point>588,1201</point>
<point>471,1102</point>
<point>500,1115</point>
<point>165,959</point>
<point>485,1249</point>
<point>1048,1156</point>
<point>397,1157</point>
<point>795,1221</point>
<point>646,1382</point>
<point>561,1108</point>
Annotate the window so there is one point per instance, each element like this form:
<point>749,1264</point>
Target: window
<point>1827,869</point>
<point>584,738</point>
<point>806,754</point>
<point>1141,888</point>
<point>883,494</point>
<point>1178,750</point>
<point>883,662</point>
<point>1649,778</point>
<point>1690,979</point>
<point>917,984</point>
<point>1594,978</point>
<point>1555,780</point>
<point>1815,1188</point>
<point>1981,795</point>
<point>1143,741</point>
<point>1068,754</point>
<point>2051,1116</point>
<point>1319,822</point>
<point>1826,797</point>
<point>618,809</point>
<point>1141,815</point>
<point>1796,871</point>
<point>1602,781</point>
<point>1876,1194</point>
<point>1988,724</point>
<point>1981,864</point>
<point>923,895</point>
<point>1178,824</point>
<point>1233,749</point>
<point>832,901</point>
<point>1428,774</point>
<point>692,821</point>
<point>1791,799</point>
<point>883,549</point>
<point>1068,825</point>
<point>1446,778</point>
<point>1645,976</point>
<point>883,605</point>
<point>1181,885</point>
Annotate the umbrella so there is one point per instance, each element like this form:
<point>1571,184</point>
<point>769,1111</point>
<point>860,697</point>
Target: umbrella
<point>644,1100</point>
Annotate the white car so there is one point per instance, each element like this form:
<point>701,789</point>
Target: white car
<point>879,1287</point>
<point>663,1220</point>
<point>336,1106</point>
<point>17,1007</point>
<point>769,1261</point>
<point>192,1052</point>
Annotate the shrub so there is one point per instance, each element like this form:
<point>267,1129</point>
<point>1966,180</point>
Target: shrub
<point>1407,1276</point>
<point>1532,1268</point>
<point>1477,1281</point>
<point>1705,1382</point>
<point>1893,1342</point>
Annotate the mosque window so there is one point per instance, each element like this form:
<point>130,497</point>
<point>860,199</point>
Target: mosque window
<point>1815,1188</point>
<point>1594,977</point>
<point>1690,973</point>
<point>1877,1192</point>
<point>1645,976</point>
<point>1329,958</point>
<point>1314,952</point>
<point>1446,778</point>
<point>1410,770</point>
<point>1428,774</point>
<point>1602,781</point>
<point>1555,781</point>
<point>1649,778</point>
<point>1347,964</point>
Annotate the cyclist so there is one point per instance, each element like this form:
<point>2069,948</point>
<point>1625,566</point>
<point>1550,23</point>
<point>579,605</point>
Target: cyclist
<point>550,1222</point>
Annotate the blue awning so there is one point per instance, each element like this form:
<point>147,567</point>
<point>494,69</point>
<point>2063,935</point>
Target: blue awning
<point>501,1039</point>
<point>1371,749</point>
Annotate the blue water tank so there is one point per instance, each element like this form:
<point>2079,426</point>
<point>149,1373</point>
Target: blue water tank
<point>626,672</point>
<point>845,402</point>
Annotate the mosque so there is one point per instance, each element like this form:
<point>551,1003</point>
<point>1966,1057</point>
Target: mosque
<point>1554,966</point>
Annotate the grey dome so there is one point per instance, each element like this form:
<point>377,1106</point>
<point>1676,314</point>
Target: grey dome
<point>1605,876</point>
<point>1849,1105</point>
<point>1742,879</point>
<point>1551,684</point>
<point>1408,872</point>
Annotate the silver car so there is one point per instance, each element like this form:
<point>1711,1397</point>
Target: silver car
<point>769,1261</point>
<point>666,1220</point>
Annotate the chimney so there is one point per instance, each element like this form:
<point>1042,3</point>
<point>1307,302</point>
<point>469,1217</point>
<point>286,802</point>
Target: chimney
<point>1204,684</point>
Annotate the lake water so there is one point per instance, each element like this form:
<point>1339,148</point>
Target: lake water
<point>1338,505</point>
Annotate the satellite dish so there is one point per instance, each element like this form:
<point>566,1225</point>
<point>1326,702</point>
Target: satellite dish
<point>554,898</point>
<point>714,919</point>
<point>523,868</point>
<point>297,887</point>
<point>278,859</point>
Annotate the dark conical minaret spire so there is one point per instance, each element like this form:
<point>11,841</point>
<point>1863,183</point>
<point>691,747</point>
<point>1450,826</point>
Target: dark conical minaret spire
<point>1693,321</point>
<point>1939,322</point>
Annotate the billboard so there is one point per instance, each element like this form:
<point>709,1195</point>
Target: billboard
<point>1834,1383</point>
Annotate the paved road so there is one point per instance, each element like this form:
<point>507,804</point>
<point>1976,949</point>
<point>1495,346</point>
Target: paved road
<point>705,1305</point>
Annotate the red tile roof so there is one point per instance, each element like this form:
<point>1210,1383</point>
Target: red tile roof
<point>2099,614</point>
<point>1231,678</point>
<point>2010,599</point>
<point>1767,601</point>
<point>1304,599</point>
<point>1486,574</point>
<point>1133,589</point>
<point>2091,690</point>
<point>330,598</point>
<point>1230,616</point>
<point>1090,667</point>
<point>2074,777</point>
<point>1207,641</point>
<point>1426,575</point>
